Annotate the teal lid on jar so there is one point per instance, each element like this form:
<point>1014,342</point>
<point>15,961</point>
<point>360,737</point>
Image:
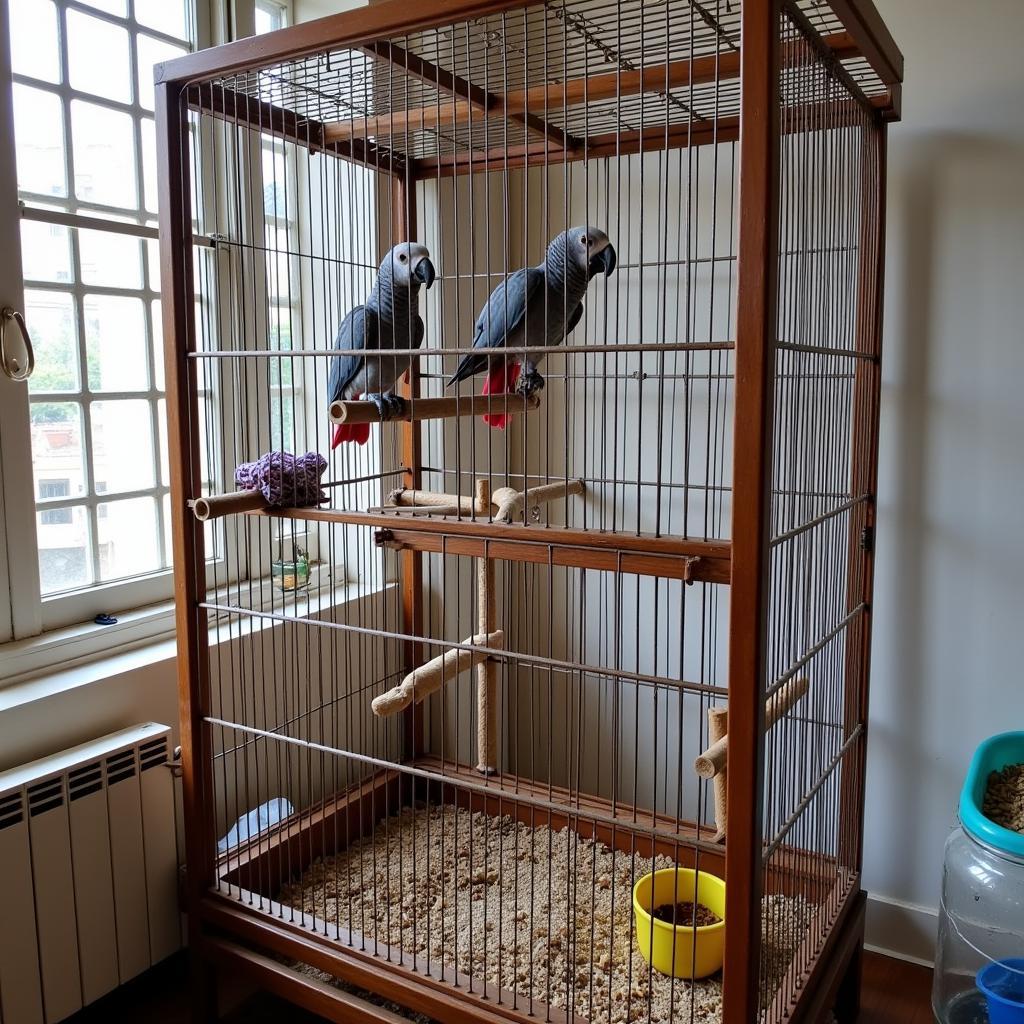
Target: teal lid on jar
<point>992,756</point>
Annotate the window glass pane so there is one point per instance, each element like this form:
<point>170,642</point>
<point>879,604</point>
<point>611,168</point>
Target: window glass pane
<point>45,252</point>
<point>275,203</point>
<point>51,319</point>
<point>39,141</point>
<point>110,259</point>
<point>152,51</point>
<point>98,59</point>
<point>64,562</point>
<point>122,442</point>
<point>104,155</point>
<point>158,345</point>
<point>57,450</point>
<point>149,162</point>
<point>129,538</point>
<point>153,264</point>
<point>110,6</point>
<point>34,42</point>
<point>269,16</point>
<point>161,422</point>
<point>170,16</point>
<point>283,434</point>
<point>115,341</point>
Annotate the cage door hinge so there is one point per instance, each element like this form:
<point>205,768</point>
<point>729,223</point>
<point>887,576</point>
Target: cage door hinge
<point>867,539</point>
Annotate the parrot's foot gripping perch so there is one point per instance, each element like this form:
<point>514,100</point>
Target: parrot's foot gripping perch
<point>390,406</point>
<point>529,383</point>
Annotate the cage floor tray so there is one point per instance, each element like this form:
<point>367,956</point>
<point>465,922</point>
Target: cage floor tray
<point>543,915</point>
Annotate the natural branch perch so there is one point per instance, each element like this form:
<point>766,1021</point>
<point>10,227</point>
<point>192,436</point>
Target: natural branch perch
<point>435,408</point>
<point>715,758</point>
<point>431,676</point>
<point>217,505</point>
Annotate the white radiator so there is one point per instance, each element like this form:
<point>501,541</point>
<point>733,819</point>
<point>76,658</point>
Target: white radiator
<point>89,868</point>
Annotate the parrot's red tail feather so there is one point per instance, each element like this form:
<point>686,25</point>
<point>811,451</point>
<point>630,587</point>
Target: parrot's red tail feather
<point>500,381</point>
<point>358,432</point>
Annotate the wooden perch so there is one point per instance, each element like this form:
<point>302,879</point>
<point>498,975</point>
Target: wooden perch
<point>442,504</point>
<point>217,505</point>
<point>431,676</point>
<point>714,760</point>
<point>510,503</point>
<point>435,408</point>
<point>718,729</point>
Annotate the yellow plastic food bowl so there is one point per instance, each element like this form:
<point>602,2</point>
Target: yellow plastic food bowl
<point>680,950</point>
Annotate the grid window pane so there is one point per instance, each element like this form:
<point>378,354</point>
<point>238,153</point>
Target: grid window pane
<point>164,16</point>
<point>39,141</point>
<point>153,51</point>
<point>110,6</point>
<point>110,260</point>
<point>45,252</point>
<point>115,340</point>
<point>104,149</point>
<point>55,340</point>
<point>149,162</point>
<point>122,446</point>
<point>128,536</point>
<point>36,54</point>
<point>58,450</point>
<point>98,436</point>
<point>64,546</point>
<point>98,60</point>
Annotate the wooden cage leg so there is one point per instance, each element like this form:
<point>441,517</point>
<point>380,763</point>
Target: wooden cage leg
<point>486,671</point>
<point>718,728</point>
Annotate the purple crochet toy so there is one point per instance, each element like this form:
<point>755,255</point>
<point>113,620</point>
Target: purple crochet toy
<point>285,480</point>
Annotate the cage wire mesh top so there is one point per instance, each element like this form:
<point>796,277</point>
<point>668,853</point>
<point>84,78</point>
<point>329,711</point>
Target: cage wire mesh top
<point>569,76</point>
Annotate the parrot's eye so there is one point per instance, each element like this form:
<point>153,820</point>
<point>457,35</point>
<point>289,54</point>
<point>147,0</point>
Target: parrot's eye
<point>404,258</point>
<point>584,240</point>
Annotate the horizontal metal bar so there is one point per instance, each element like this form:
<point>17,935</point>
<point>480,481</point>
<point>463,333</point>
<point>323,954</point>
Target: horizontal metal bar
<point>822,350</point>
<point>511,350</point>
<point>809,795</point>
<point>534,660</point>
<point>816,649</point>
<point>116,227</point>
<point>818,520</point>
<point>491,792</point>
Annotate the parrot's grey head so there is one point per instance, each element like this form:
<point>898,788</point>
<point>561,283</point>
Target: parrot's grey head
<point>585,247</point>
<point>408,265</point>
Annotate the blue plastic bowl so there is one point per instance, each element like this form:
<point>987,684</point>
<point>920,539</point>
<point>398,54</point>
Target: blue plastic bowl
<point>1002,982</point>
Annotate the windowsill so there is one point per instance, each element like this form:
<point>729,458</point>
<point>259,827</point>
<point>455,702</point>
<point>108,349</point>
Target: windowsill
<point>66,659</point>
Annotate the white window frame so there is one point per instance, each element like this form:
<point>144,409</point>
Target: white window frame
<point>24,613</point>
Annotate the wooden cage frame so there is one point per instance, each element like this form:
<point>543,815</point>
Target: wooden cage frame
<point>221,929</point>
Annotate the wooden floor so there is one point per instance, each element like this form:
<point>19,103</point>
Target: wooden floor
<point>894,992</point>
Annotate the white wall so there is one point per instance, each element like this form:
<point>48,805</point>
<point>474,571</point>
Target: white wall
<point>949,630</point>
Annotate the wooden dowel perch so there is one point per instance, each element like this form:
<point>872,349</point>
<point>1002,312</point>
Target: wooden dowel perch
<point>715,758</point>
<point>718,729</point>
<point>431,676</point>
<point>505,505</point>
<point>436,408</point>
<point>217,505</point>
<point>486,671</point>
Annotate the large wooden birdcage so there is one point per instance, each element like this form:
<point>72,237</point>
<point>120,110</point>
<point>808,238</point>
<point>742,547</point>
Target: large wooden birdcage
<point>640,609</point>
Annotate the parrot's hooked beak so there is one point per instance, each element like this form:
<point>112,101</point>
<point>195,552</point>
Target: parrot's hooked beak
<point>424,272</point>
<point>604,260</point>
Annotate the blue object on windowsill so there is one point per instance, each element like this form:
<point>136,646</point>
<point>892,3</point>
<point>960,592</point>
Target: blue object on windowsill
<point>256,821</point>
<point>103,619</point>
<point>992,756</point>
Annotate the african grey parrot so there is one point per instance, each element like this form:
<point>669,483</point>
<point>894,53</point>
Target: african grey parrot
<point>389,320</point>
<point>551,296</point>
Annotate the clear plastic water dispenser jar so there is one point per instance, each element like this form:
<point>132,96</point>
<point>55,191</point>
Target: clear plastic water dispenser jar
<point>981,916</point>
